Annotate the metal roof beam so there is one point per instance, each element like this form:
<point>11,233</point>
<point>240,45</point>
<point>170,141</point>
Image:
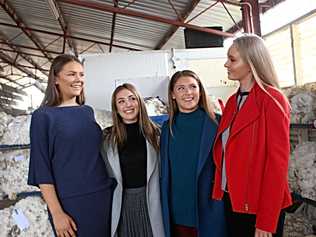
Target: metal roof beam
<point>10,95</point>
<point>189,9</point>
<point>237,4</point>
<point>12,89</point>
<point>21,53</point>
<point>28,54</point>
<point>10,61</point>
<point>262,7</point>
<point>115,2</point>
<point>29,47</point>
<point>108,8</point>
<point>63,24</point>
<point>10,80</point>
<point>11,12</point>
<point>72,37</point>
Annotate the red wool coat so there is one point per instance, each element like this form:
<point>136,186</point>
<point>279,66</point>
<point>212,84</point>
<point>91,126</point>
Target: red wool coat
<point>257,154</point>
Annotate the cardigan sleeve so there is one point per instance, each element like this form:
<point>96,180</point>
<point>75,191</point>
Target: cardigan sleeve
<point>40,167</point>
<point>276,165</point>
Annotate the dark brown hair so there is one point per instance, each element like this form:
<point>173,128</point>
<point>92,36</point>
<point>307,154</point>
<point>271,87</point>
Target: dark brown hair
<point>52,95</point>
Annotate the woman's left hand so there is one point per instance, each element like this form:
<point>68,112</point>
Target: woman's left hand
<point>262,233</point>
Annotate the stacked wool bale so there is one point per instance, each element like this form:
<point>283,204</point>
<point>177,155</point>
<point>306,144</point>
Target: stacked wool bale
<point>34,209</point>
<point>155,106</point>
<point>14,170</point>
<point>14,163</point>
<point>5,119</point>
<point>13,181</point>
<point>302,168</point>
<point>303,102</point>
<point>302,178</point>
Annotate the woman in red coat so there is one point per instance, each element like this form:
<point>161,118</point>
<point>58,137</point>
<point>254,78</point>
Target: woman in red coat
<point>251,149</point>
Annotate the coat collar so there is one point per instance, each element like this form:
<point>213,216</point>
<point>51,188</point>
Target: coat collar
<point>208,133</point>
<point>248,113</point>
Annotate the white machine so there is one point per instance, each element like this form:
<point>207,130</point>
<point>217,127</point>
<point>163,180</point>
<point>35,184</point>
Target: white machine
<point>150,72</point>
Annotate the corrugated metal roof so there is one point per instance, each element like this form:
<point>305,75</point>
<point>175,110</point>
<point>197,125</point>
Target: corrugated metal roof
<point>91,28</point>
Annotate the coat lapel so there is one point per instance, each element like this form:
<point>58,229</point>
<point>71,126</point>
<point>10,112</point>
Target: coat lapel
<point>114,160</point>
<point>229,113</point>
<point>248,113</point>
<point>208,133</point>
<point>151,160</point>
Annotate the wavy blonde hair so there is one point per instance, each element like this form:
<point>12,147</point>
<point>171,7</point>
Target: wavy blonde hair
<point>254,52</point>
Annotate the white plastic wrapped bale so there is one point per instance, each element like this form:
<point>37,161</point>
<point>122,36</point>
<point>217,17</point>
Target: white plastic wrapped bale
<point>296,225</point>
<point>35,211</point>
<point>155,106</point>
<point>292,175</point>
<point>103,118</point>
<point>5,119</point>
<point>305,168</point>
<point>303,107</point>
<point>14,172</point>
<point>303,102</point>
<point>17,131</point>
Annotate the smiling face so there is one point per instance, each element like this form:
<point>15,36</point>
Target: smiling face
<point>70,80</point>
<point>237,69</point>
<point>127,106</point>
<point>186,93</point>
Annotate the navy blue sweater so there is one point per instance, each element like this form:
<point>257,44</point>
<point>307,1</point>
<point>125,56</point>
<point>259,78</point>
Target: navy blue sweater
<point>65,144</point>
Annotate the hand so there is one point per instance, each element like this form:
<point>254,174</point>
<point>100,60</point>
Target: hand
<point>262,233</point>
<point>64,225</point>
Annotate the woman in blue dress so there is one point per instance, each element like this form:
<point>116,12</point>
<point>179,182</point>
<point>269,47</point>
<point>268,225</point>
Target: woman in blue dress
<point>187,166</point>
<point>65,161</point>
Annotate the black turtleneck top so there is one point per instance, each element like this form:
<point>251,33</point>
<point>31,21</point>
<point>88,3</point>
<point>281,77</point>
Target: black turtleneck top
<point>133,158</point>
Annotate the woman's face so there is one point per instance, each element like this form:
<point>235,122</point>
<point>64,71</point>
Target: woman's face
<point>186,92</point>
<point>70,80</point>
<point>127,106</point>
<point>237,69</point>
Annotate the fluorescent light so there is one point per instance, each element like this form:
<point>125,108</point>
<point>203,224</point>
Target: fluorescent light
<point>53,8</point>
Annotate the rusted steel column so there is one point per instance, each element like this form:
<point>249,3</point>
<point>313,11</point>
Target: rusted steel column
<point>246,10</point>
<point>251,16</point>
<point>256,17</point>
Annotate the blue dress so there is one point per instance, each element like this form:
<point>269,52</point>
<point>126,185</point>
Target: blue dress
<point>65,152</point>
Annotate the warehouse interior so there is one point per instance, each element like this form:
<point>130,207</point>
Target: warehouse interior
<point>34,32</point>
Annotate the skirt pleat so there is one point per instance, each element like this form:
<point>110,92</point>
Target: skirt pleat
<point>134,221</point>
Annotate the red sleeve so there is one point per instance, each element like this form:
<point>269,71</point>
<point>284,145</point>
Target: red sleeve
<point>276,165</point>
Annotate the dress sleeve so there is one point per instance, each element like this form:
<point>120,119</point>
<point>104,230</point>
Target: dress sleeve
<point>40,168</point>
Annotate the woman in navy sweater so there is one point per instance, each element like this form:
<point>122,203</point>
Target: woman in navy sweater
<point>186,162</point>
<point>65,160</point>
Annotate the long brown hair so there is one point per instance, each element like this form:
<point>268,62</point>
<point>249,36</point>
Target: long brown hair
<point>52,95</point>
<point>116,135</point>
<point>204,102</point>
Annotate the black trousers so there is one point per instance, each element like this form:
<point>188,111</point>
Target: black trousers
<point>241,224</point>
